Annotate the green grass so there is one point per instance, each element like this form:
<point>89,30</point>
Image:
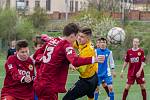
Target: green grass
<point>134,93</point>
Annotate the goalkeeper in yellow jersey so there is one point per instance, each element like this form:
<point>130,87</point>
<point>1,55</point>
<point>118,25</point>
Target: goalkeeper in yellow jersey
<point>88,79</point>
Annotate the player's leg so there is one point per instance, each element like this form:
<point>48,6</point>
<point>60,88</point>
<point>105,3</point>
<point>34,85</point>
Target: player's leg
<point>92,87</point>
<point>78,90</point>
<point>125,92</point>
<point>130,81</point>
<point>141,82</point>
<point>96,94</point>
<point>143,91</point>
<point>104,85</point>
<point>109,81</point>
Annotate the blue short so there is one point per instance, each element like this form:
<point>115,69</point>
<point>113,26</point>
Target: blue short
<point>108,80</point>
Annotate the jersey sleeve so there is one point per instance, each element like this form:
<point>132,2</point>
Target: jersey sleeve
<point>127,57</point>
<point>11,68</point>
<point>74,59</point>
<point>142,56</point>
<point>111,60</point>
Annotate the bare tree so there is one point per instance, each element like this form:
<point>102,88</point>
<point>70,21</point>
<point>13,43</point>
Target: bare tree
<point>8,3</point>
<point>105,5</point>
<point>2,3</point>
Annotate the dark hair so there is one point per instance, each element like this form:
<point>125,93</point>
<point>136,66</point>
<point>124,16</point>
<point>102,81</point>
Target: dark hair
<point>69,29</point>
<point>86,31</point>
<point>21,44</point>
<point>102,39</point>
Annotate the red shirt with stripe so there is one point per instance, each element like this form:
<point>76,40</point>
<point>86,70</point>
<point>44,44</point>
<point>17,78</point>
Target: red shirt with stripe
<point>16,70</point>
<point>135,59</point>
<point>58,54</point>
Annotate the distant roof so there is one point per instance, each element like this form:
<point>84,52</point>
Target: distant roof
<point>141,1</point>
<point>138,1</point>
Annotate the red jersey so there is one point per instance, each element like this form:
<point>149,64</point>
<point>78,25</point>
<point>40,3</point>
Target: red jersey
<point>135,59</point>
<point>58,54</point>
<point>16,70</point>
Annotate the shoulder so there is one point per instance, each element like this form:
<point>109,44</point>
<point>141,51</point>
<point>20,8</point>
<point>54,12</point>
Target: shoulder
<point>64,43</point>
<point>129,50</point>
<point>108,50</point>
<point>140,49</point>
<point>12,58</point>
<point>30,60</point>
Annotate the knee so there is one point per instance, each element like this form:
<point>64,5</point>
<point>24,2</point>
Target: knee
<point>127,87</point>
<point>97,89</point>
<point>142,86</point>
<point>104,85</point>
<point>110,88</point>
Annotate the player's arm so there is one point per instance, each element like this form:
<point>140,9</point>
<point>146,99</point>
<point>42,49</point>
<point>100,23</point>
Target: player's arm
<point>112,64</point>
<point>123,68</point>
<point>11,68</point>
<point>138,74</point>
<point>125,64</point>
<point>75,60</point>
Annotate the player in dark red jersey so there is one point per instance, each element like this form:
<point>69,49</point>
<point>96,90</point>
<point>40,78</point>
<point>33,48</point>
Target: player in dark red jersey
<point>58,54</point>
<point>135,57</point>
<point>18,83</point>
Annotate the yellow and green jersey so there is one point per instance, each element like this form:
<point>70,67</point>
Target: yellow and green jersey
<point>86,50</point>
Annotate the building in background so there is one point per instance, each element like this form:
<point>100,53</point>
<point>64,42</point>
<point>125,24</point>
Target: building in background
<point>62,6</point>
<point>141,5</point>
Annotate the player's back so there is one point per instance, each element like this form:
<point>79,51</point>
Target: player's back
<point>55,64</point>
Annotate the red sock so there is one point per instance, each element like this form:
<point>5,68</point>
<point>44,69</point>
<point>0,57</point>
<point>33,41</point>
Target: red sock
<point>107,90</point>
<point>143,94</point>
<point>125,93</point>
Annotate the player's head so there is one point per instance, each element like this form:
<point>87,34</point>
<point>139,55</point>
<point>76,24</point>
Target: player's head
<point>22,50</point>
<point>70,31</point>
<point>40,40</point>
<point>136,42</point>
<point>13,44</point>
<point>45,37</point>
<point>84,35</point>
<point>101,43</point>
<point>98,43</point>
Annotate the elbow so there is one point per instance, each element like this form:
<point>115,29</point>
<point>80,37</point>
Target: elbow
<point>75,63</point>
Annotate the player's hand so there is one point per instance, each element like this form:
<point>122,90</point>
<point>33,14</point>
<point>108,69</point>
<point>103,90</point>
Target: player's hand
<point>138,74</point>
<point>121,75</point>
<point>27,79</point>
<point>72,67</point>
<point>97,89</point>
<point>101,58</point>
<point>113,73</point>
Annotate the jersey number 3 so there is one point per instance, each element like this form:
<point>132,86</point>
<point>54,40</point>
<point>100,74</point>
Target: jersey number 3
<point>47,56</point>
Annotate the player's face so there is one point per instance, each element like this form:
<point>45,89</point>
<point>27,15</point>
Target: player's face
<point>98,44</point>
<point>82,38</point>
<point>38,46</point>
<point>136,43</point>
<point>103,44</point>
<point>23,53</point>
<point>72,38</point>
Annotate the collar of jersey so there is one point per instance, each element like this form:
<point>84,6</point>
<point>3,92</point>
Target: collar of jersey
<point>81,47</point>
